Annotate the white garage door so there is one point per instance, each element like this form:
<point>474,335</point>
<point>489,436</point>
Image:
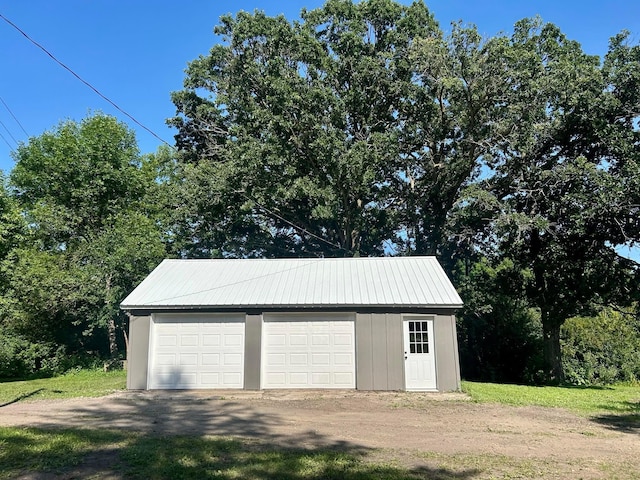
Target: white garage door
<point>308,352</point>
<point>196,351</point>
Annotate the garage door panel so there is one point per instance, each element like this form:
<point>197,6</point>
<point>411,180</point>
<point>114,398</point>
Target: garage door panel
<point>345,379</point>
<point>166,359</point>
<point>210,380</point>
<point>275,339</point>
<point>188,360</point>
<point>189,340</point>
<point>303,352</point>
<point>209,340</point>
<point>343,340</point>
<point>276,379</point>
<point>232,359</point>
<point>210,359</point>
<point>343,359</point>
<point>321,379</point>
<point>168,340</point>
<point>197,351</point>
<point>299,360</point>
<point>298,339</point>
<point>299,379</point>
<point>320,359</point>
<point>233,340</point>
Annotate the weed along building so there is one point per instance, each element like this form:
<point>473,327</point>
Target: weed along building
<point>365,323</point>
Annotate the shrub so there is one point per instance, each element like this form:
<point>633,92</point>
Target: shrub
<point>601,350</point>
<point>499,335</point>
<point>21,358</point>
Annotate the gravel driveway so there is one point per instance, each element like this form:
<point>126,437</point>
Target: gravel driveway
<point>399,425</point>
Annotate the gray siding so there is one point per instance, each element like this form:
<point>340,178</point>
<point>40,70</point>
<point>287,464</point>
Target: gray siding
<point>138,352</point>
<point>252,351</point>
<point>447,363</point>
<point>379,352</point>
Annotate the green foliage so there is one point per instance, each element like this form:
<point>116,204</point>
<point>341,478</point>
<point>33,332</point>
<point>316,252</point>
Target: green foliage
<point>601,350</point>
<point>33,450</point>
<point>72,179</point>
<point>565,176</point>
<point>92,233</point>
<point>12,225</point>
<point>499,334</point>
<point>296,124</point>
<point>359,129</point>
<point>20,358</point>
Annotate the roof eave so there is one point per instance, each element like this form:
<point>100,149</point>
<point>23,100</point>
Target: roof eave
<point>153,308</point>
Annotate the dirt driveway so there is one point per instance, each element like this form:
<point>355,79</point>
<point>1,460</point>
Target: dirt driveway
<point>402,427</point>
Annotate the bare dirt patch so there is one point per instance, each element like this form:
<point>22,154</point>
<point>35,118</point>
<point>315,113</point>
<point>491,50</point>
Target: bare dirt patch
<point>407,429</point>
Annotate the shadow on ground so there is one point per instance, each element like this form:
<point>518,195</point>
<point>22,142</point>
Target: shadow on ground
<point>89,453</point>
<point>626,419</point>
<point>178,435</point>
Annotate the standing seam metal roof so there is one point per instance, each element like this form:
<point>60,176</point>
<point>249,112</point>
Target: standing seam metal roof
<point>305,283</point>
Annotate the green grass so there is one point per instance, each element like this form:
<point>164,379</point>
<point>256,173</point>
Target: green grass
<point>91,453</point>
<point>33,450</point>
<point>615,399</point>
<point>85,453</point>
<point>83,383</point>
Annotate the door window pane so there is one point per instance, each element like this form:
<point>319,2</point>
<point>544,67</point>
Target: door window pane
<point>418,337</point>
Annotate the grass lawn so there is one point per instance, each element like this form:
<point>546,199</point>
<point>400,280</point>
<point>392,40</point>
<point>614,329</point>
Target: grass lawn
<point>614,400</point>
<point>83,383</point>
<point>91,453</point>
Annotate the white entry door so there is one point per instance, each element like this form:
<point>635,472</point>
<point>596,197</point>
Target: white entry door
<point>308,351</point>
<point>419,363</point>
<point>196,351</point>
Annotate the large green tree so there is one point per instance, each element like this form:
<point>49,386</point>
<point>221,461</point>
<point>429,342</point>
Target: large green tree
<point>563,192</point>
<point>93,233</point>
<point>291,132</point>
<point>448,135</point>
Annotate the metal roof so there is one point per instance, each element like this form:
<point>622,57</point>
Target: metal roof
<point>295,283</point>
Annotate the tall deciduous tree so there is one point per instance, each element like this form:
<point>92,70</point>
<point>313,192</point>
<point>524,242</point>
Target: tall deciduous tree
<point>566,175</point>
<point>448,133</point>
<point>293,129</point>
<point>92,235</point>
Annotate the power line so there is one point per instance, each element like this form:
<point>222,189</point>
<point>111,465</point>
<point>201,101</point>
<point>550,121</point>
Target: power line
<point>12,137</point>
<point>5,141</point>
<point>14,117</point>
<point>83,80</point>
<point>297,227</point>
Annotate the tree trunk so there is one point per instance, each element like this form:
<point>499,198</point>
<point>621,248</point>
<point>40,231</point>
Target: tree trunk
<point>111,324</point>
<point>113,345</point>
<point>552,353</point>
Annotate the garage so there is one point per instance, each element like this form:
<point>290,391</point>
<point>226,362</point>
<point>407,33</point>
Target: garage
<point>196,351</point>
<point>384,323</point>
<point>308,351</point>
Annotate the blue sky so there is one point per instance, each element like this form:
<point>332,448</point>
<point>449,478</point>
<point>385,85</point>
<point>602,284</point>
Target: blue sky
<point>135,51</point>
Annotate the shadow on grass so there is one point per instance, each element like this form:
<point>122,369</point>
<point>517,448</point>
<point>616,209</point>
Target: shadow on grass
<point>625,419</point>
<point>22,397</point>
<point>584,387</point>
<point>80,453</point>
